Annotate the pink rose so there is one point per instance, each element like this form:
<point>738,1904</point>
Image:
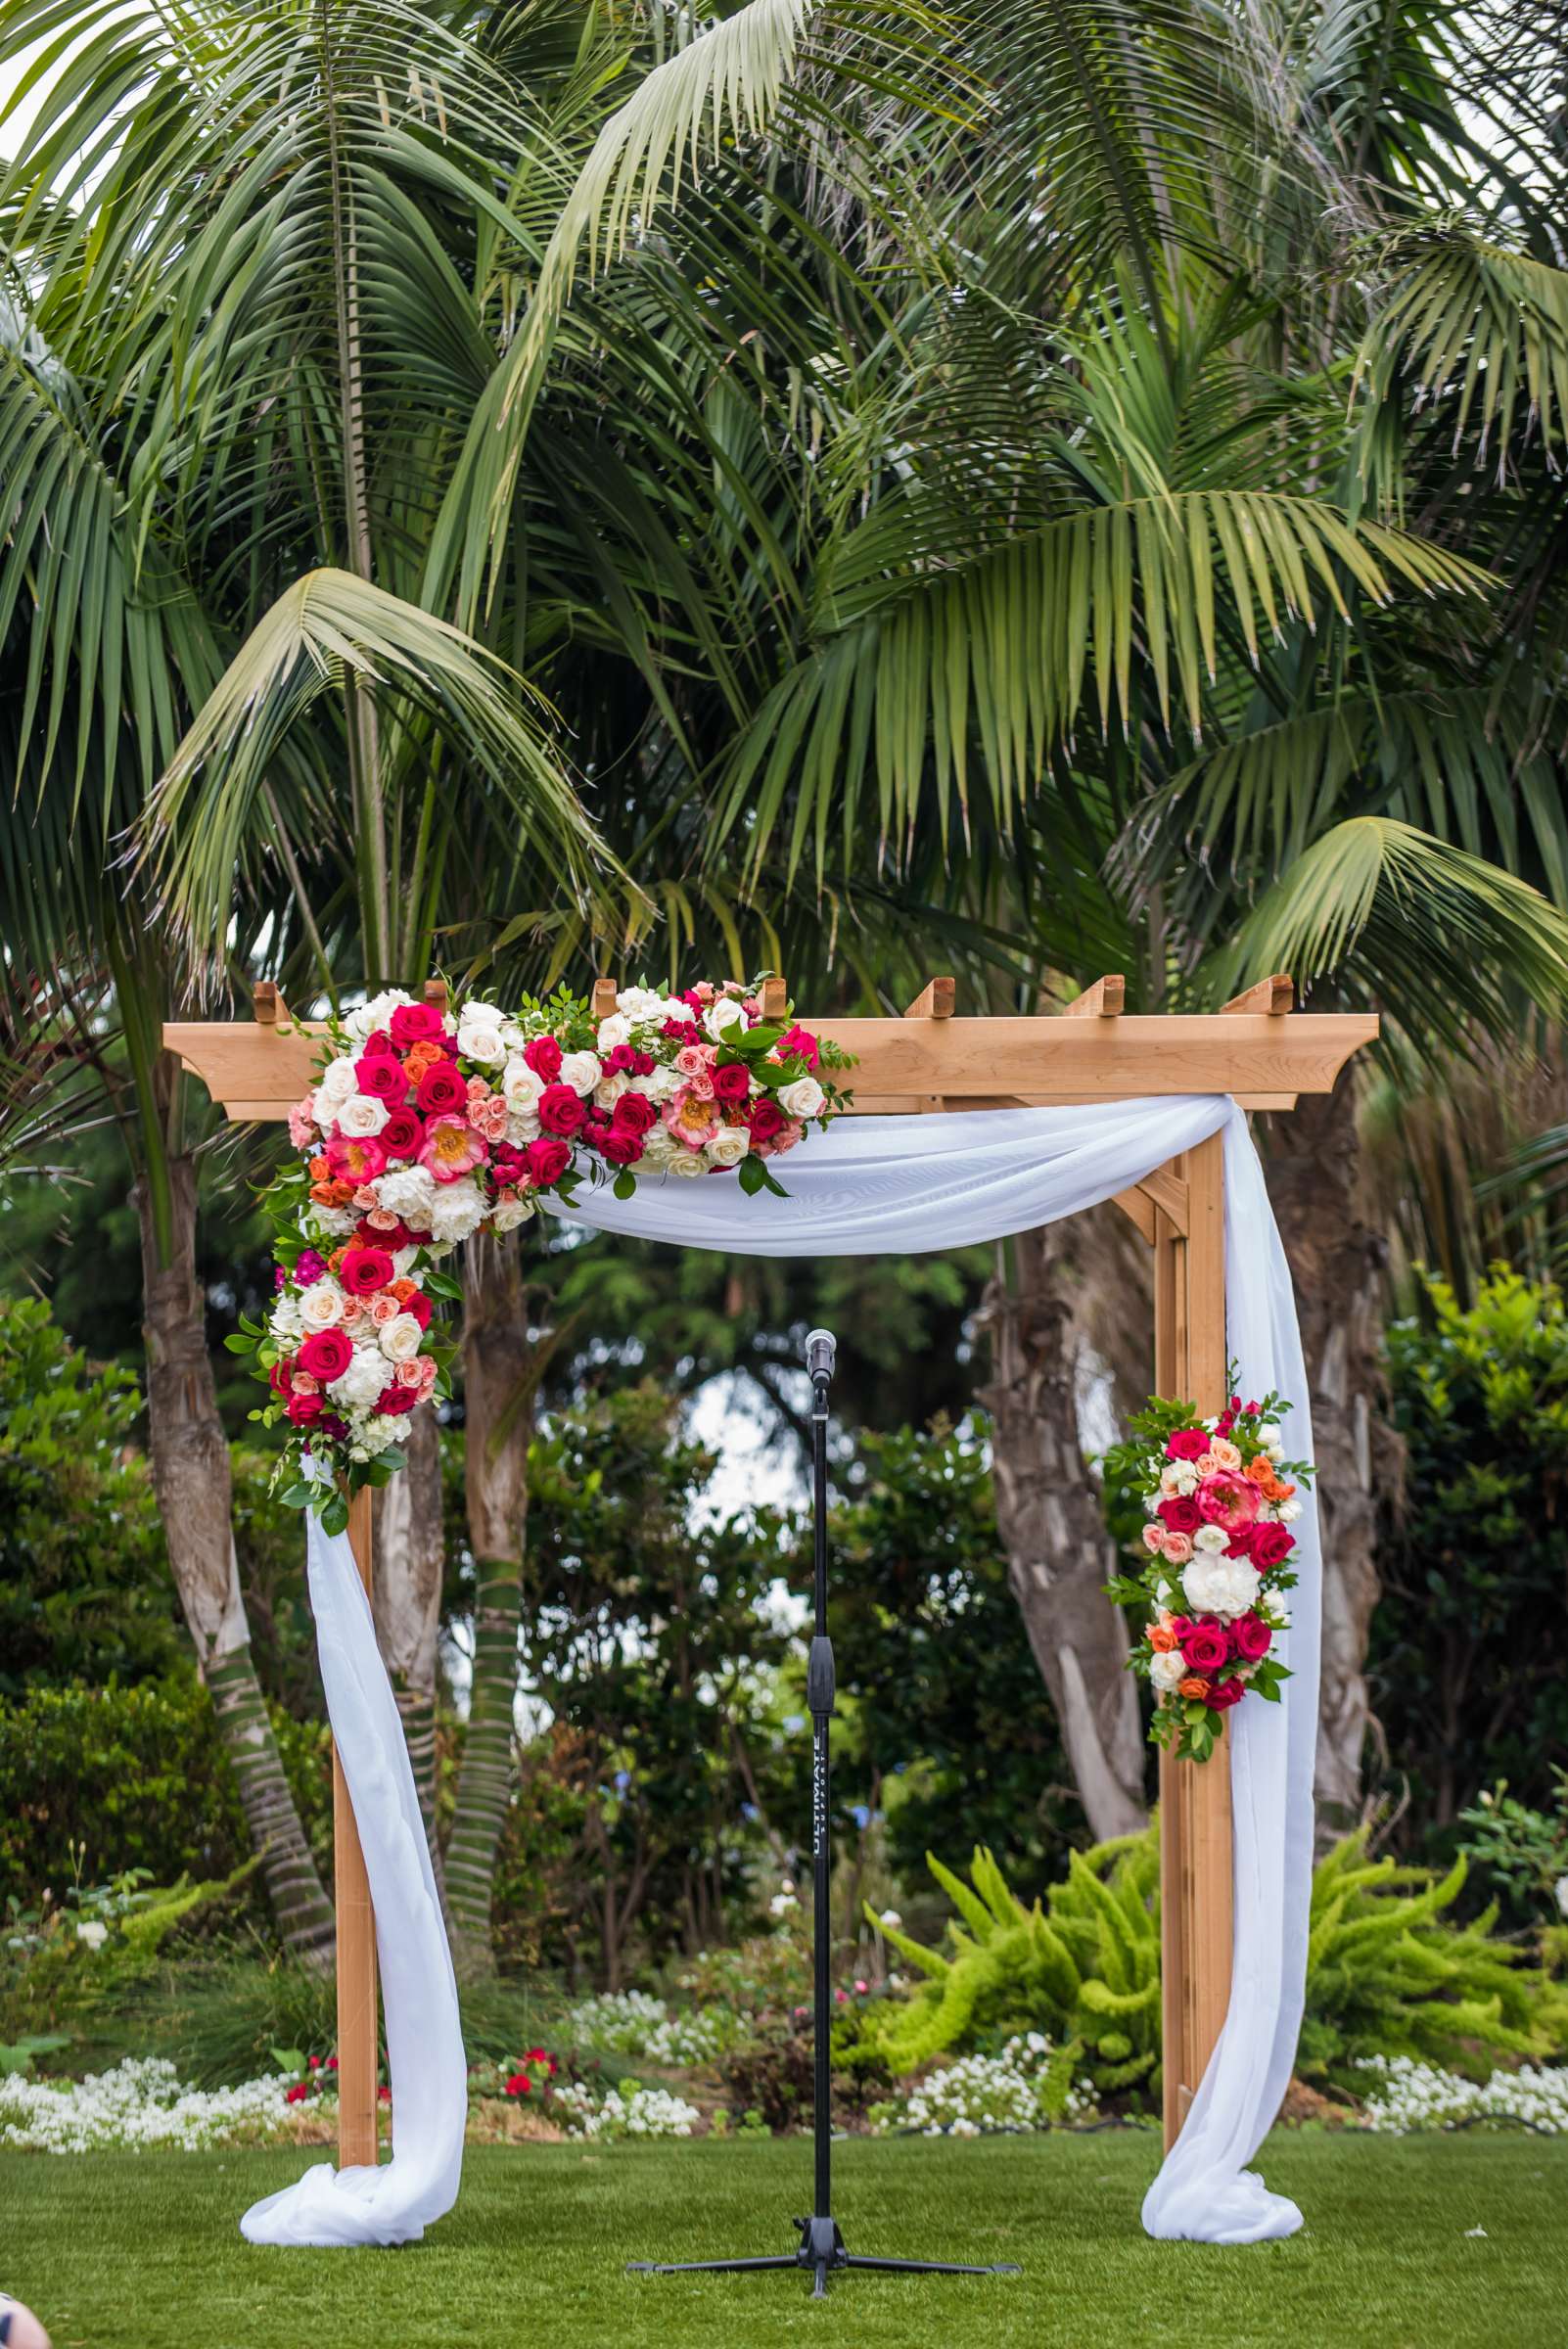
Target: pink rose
<point>1203,1644</point>
<point>692,1059</point>
<point>1178,1548</point>
<point>326,1355</point>
<point>1228,1499</point>
<point>798,1043</point>
<point>384,1307</point>
<point>1188,1444</point>
<point>416,1023</point>
<point>1154,1540</point>
<point>301,1124</point>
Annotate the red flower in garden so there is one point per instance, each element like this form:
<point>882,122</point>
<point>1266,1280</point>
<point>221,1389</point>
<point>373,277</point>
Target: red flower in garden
<point>548,1160</point>
<point>326,1355</point>
<point>364,1270</point>
<point>298,2094</point>
<point>732,1081</point>
<point>519,2085</point>
<point>441,1091</point>
<point>416,1023</point>
<point>381,1076</point>
<point>384,2095</point>
<point>766,1120</point>
<point>543,1057</point>
<point>561,1110</point>
<point>402,1133</point>
<point>1250,1636</point>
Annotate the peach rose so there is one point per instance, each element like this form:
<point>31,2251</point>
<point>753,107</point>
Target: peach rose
<point>383,1307</point>
<point>1178,1548</point>
<point>1153,1539</point>
<point>1224,1454</point>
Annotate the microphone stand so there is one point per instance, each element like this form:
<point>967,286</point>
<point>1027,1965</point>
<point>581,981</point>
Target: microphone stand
<point>821,2250</point>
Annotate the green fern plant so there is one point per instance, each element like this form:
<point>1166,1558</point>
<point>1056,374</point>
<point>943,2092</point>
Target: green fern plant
<point>1388,1972</point>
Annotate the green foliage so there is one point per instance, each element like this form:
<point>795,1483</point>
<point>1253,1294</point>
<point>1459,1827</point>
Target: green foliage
<point>1388,1974</point>
<point>85,1592</point>
<point>143,1773</point>
<point>1469,1644</point>
<point>1524,1850</point>
<point>1083,1967</point>
<point>948,1727</point>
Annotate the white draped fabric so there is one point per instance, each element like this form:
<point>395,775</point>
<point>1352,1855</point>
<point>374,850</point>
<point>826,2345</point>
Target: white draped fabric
<point>397,2202</point>
<point>887,1187</point>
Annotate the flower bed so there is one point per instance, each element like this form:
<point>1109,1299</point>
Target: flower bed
<point>1407,2095</point>
<point>1028,2086</point>
<point>140,2103</point>
<point>626,2111</point>
<point>631,2022</point>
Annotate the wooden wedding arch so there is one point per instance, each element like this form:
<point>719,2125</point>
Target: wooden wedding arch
<point>1257,1048</point>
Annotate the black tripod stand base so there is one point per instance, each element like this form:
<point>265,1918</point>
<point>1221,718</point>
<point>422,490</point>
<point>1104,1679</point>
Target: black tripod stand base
<point>821,2254</point>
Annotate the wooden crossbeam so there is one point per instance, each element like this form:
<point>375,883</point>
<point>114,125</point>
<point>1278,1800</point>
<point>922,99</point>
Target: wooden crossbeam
<point>1102,1002</point>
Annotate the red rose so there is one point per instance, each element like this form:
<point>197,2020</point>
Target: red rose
<point>1272,1546</point>
<point>1250,1636</point>
<point>798,1043</point>
<point>732,1081</point>
<point>441,1091</point>
<point>396,1401</point>
<point>1226,1693</point>
<point>327,1354</point>
<point>363,1270</point>
<point>385,1235</point>
<point>620,1144</point>
<point>419,1305</point>
<point>681,1031</point>
<point>766,1120</point>
<point>548,1160</point>
<point>381,1076</point>
<point>401,1134</point>
<point>561,1111</point>
<point>1180,1515</point>
<point>280,1378</point>
<point>1204,1646</point>
<point>416,1023</point>
<point>543,1056</point>
<point>301,1409</point>
<point>1188,1444</point>
<point>635,1112</point>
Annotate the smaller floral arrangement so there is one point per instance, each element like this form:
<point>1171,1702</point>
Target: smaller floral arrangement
<point>1218,1498</point>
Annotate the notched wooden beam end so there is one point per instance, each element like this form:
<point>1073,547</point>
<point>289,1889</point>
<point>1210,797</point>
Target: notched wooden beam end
<point>935,1000</point>
<point>604,998</point>
<point>1102,1002</point>
<point>1276,996</point>
<point>270,1007</point>
<point>775,997</point>
<point>436,993</point>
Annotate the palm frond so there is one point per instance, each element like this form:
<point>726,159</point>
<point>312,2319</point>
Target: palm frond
<point>1484,333</point>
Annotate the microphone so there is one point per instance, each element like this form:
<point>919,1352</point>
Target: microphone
<point>820,1348</point>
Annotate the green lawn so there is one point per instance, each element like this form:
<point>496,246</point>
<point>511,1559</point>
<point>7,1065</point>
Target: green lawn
<point>143,2250</point>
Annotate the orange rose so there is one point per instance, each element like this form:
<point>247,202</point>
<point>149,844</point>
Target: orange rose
<point>420,1058</point>
<point>1162,1637</point>
<point>320,1167</point>
<point>1193,1687</point>
<point>402,1290</point>
<point>1261,1470</point>
<point>321,1193</point>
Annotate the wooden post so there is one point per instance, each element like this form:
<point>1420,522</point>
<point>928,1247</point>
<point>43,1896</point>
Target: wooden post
<point>357,2134</point>
<point>1195,1840</point>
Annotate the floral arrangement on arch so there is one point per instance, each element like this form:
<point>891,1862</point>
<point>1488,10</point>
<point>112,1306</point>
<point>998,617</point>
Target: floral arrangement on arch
<point>427,1124</point>
<point>1218,1498</point>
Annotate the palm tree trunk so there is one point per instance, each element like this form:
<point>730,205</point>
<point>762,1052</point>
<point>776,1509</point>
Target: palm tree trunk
<point>189,1457</point>
<point>1338,1260</point>
<point>1059,1556</point>
<point>409,1557</point>
<point>499,1379</point>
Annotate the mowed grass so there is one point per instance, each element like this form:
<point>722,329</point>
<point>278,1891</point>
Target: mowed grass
<point>143,2249</point>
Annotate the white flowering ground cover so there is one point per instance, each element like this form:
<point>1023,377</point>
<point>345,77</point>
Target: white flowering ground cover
<point>631,2022</point>
<point>1406,2095</point>
<point>982,2096</point>
<point>626,2111</point>
<point>140,2103</point>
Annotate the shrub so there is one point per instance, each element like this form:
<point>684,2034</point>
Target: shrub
<point>1388,1974</point>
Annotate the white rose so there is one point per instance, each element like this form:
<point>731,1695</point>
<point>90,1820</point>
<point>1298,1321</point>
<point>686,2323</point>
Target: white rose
<point>1267,1434</point>
<point>362,1114</point>
<point>1211,1537</point>
<point>1168,1669</point>
<point>409,1192</point>
<point>400,1337</point>
<point>665,1082</point>
<point>642,1005</point>
<point>339,1078</point>
<point>376,1013</point>
<point>331,1223</point>
<point>521,1086</point>
<point>1219,1585</point>
<point>478,1033</point>
<point>284,1319</point>
<point>687,1163</point>
<point>728,1146</point>
<point>508,1213</point>
<point>363,1380</point>
<point>658,1149</point>
<point>1288,1511</point>
<point>321,1305</point>
<point>720,1017</point>
<point>521,1127</point>
<point>804,1098</point>
<point>616,1029</point>
<point>581,1071</point>
<point>458,1212</point>
<point>609,1089</point>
